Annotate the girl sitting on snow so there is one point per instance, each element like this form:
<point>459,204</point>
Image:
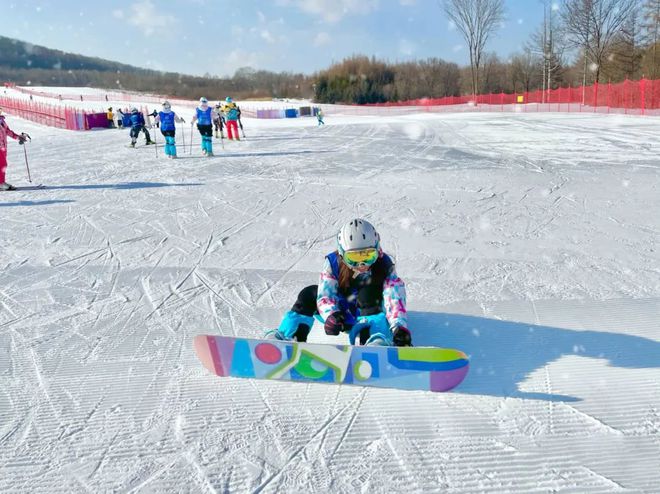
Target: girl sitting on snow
<point>358,285</point>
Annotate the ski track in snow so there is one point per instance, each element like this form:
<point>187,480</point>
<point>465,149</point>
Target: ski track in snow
<point>528,240</point>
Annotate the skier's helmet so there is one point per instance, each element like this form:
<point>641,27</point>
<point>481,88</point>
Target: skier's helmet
<point>228,99</point>
<point>203,101</point>
<point>166,105</point>
<point>134,110</point>
<point>358,243</point>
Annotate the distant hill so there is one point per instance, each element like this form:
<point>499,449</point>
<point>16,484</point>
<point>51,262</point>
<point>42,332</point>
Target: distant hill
<point>27,64</point>
<point>17,54</point>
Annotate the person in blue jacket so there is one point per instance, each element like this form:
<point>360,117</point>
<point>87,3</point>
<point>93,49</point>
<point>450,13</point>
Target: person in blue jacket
<point>204,118</point>
<point>138,125</point>
<point>167,120</point>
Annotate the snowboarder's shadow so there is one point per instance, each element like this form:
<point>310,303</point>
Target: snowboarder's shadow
<point>503,354</point>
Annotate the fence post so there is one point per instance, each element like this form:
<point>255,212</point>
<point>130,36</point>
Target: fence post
<point>625,96</point>
<point>502,101</point>
<point>642,95</point>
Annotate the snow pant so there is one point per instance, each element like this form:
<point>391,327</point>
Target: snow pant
<point>321,122</point>
<point>147,136</point>
<point>3,165</point>
<point>368,305</point>
<point>134,133</point>
<point>207,137</point>
<point>170,142</point>
<point>232,124</point>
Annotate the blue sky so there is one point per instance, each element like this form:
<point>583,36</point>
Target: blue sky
<point>219,36</point>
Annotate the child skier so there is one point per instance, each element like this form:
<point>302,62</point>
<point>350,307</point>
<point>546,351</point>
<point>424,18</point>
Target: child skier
<point>111,118</point>
<point>231,116</point>
<point>218,120</point>
<point>167,119</point>
<point>319,117</point>
<point>137,126</point>
<point>358,285</point>
<point>4,132</point>
<point>204,118</point>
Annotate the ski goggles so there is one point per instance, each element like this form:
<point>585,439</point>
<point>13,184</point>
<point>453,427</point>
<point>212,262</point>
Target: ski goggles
<point>360,257</point>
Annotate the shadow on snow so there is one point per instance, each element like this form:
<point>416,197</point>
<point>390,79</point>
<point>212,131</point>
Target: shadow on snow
<point>34,203</point>
<point>504,354</point>
<point>118,186</point>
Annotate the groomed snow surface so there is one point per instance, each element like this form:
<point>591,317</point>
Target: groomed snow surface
<point>530,241</point>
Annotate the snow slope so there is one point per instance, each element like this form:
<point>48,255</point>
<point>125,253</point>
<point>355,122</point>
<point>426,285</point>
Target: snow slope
<point>529,241</point>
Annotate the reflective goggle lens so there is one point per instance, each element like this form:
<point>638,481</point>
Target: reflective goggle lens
<point>361,256</point>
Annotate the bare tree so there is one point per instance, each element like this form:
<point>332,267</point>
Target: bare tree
<point>476,20</point>
<point>593,25</point>
<point>627,55</point>
<point>549,42</point>
<point>651,26</point>
<point>526,70</point>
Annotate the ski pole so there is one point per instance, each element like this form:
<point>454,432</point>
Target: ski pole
<point>25,153</point>
<point>240,124</point>
<point>191,137</point>
<point>183,138</point>
<point>156,141</point>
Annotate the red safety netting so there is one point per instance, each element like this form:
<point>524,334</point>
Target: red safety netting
<point>62,117</point>
<point>634,97</point>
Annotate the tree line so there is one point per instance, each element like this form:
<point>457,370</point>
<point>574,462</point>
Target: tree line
<point>578,42</point>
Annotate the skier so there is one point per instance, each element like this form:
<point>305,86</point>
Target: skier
<point>319,117</point>
<point>167,119</point>
<point>4,132</point>
<point>358,285</point>
<point>231,116</point>
<point>204,118</point>
<point>218,120</point>
<point>111,118</point>
<point>137,126</point>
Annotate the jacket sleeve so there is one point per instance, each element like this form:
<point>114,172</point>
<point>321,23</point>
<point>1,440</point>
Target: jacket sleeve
<point>394,299</point>
<point>9,132</point>
<point>328,292</point>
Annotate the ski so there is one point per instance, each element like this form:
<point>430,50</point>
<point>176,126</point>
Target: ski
<point>409,368</point>
<point>30,187</point>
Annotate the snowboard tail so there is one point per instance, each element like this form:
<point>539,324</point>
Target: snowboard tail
<point>421,368</point>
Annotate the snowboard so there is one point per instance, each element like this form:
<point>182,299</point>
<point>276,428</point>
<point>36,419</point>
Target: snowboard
<point>410,368</point>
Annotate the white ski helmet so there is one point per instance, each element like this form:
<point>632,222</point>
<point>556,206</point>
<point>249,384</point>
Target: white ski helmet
<point>166,105</point>
<point>203,100</point>
<point>357,234</point>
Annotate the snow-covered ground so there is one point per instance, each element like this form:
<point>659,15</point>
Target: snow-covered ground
<point>528,241</point>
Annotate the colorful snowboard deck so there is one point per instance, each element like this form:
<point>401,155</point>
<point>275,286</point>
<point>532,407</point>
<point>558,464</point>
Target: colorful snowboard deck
<point>411,368</point>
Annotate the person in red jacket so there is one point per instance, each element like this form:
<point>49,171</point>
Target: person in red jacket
<point>4,132</point>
